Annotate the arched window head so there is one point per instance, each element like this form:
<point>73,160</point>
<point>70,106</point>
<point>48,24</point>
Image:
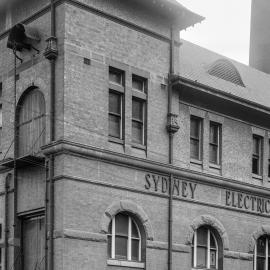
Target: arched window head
<point>124,239</point>
<point>205,250</point>
<point>31,122</point>
<point>262,253</point>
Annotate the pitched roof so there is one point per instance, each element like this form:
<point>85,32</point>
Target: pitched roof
<point>196,61</point>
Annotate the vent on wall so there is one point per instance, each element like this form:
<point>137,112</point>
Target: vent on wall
<point>224,69</point>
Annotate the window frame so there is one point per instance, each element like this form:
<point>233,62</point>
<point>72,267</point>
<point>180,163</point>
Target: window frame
<point>217,144</point>
<point>118,89</point>
<point>129,240</point>
<point>258,156</point>
<point>199,139</point>
<point>139,121</point>
<point>195,246</point>
<point>268,159</point>
<point>1,250</point>
<point>267,252</point>
<point>140,96</point>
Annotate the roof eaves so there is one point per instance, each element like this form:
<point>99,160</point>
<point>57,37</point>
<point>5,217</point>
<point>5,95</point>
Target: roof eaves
<point>180,80</point>
<point>179,15</point>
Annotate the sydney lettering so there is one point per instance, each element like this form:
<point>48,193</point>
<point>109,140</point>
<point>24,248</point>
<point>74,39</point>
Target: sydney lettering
<point>181,188</point>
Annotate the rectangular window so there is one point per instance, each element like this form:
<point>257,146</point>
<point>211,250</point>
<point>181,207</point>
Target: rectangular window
<point>269,158</point>
<point>138,120</point>
<point>115,114</point>
<point>1,235</point>
<point>196,138</point>
<point>139,97</point>
<point>1,125</point>
<point>116,76</point>
<point>116,103</point>
<point>257,155</point>
<point>215,143</point>
<point>139,83</point>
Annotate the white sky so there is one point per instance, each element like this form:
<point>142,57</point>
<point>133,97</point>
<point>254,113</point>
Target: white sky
<point>225,29</point>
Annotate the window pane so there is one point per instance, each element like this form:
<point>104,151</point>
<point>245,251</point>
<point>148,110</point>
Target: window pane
<point>110,228</point>
<point>137,109</point>
<point>255,165</point>
<point>1,113</point>
<point>256,145</point>
<point>121,224</point>
<point>261,246</point>
<point>212,241</point>
<point>195,128</point>
<point>202,236</point>
<point>135,232</point>
<point>212,259</point>
<point>114,126</point>
<point>135,249</point>
<point>194,149</point>
<point>137,132</point>
<point>109,247</point>
<point>201,256</point>
<point>260,263</point>
<point>138,83</point>
<point>214,133</point>
<point>121,247</point>
<point>213,154</point>
<point>115,103</point>
<point>116,76</point>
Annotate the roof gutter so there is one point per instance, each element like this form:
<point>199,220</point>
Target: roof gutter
<point>180,80</point>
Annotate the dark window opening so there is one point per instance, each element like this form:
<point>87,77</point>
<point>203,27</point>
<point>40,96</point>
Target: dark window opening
<point>138,120</point>
<point>214,143</point>
<point>196,138</point>
<point>257,155</point>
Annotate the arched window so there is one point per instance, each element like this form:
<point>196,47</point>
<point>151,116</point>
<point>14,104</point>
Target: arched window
<point>205,250</point>
<point>124,239</point>
<point>262,253</point>
<point>31,122</point>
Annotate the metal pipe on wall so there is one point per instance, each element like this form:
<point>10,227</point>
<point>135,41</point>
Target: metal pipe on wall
<point>170,206</point>
<point>15,178</point>
<point>51,55</point>
<point>6,219</point>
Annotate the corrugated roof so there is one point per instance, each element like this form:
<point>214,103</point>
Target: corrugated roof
<point>195,62</point>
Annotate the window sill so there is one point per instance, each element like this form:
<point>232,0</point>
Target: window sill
<point>125,263</point>
<point>138,146</point>
<point>256,176</point>
<point>195,161</point>
<point>116,140</point>
<point>214,166</point>
<point>202,268</point>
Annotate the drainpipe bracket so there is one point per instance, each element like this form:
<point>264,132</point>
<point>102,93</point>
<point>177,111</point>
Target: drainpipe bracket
<point>172,123</point>
<point>51,51</point>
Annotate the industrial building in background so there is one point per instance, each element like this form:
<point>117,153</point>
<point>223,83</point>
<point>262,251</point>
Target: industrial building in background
<point>124,147</point>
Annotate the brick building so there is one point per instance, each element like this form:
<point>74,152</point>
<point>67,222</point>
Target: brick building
<point>123,147</point>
